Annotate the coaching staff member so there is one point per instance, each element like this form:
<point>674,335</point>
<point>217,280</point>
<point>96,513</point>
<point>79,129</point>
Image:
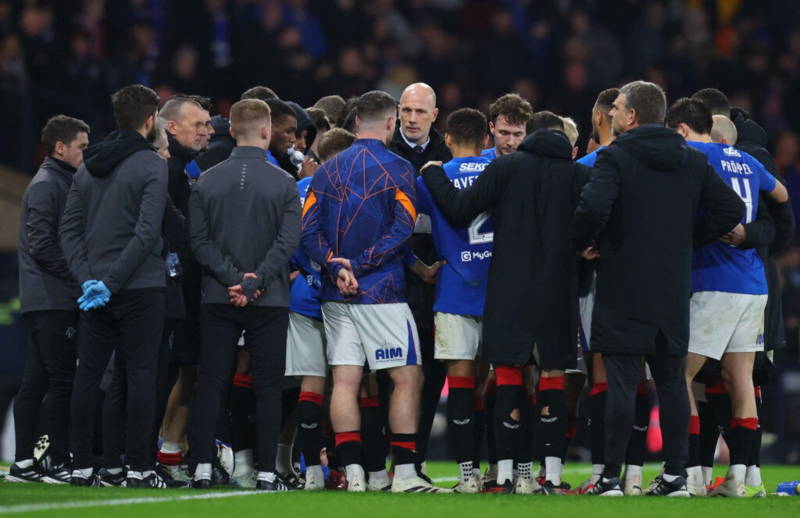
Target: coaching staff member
<point>244,219</point>
<point>48,292</point>
<point>641,206</point>
<point>416,140</point>
<point>111,237</point>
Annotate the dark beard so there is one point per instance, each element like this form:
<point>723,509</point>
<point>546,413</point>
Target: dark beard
<point>152,134</point>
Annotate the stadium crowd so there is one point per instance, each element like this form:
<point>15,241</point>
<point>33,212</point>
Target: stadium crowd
<point>300,283</point>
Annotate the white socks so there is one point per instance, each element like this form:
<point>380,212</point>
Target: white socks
<point>315,472</point>
<point>405,471</point>
<point>633,471</point>
<point>242,463</point>
<point>354,471</point>
<point>505,471</point>
<point>737,472</point>
<point>466,470</point>
<point>552,470</point>
<point>597,471</point>
<point>380,478</point>
<point>753,476</point>
<point>203,471</point>
<point>525,470</point>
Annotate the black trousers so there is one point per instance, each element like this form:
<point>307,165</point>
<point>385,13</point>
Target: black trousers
<point>265,336</point>
<point>624,373</point>
<point>49,372</point>
<point>131,324</point>
<point>114,422</point>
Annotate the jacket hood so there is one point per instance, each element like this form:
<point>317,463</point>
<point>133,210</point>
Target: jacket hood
<point>749,130</point>
<point>221,125</point>
<point>303,122</point>
<point>548,143</point>
<point>105,156</point>
<point>660,148</point>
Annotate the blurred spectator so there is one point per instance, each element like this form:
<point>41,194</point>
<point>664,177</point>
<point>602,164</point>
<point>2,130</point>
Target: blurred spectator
<point>69,55</point>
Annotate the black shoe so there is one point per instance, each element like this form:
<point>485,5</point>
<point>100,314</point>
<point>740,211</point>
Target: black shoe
<point>164,474</point>
<point>606,487</point>
<point>506,488</point>
<point>676,488</point>
<point>276,486</point>
<point>90,481</point>
<point>108,479</point>
<point>60,474</point>
<point>548,488</point>
<point>203,483</point>
<point>32,473</point>
<point>147,479</point>
<point>292,481</point>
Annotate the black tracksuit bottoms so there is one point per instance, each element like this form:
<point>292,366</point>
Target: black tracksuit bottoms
<point>131,323</point>
<point>265,337</point>
<point>49,371</point>
<point>624,374</point>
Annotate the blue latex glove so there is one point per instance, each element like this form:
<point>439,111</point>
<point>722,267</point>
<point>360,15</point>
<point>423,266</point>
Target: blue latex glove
<point>88,284</point>
<point>94,296</point>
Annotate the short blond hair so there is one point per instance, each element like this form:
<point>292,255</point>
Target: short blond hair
<point>724,129</point>
<point>570,130</point>
<point>248,116</point>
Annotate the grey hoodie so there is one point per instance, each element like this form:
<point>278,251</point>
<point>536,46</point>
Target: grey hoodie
<point>111,228</point>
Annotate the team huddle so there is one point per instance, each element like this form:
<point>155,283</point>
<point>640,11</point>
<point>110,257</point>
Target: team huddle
<point>281,295</point>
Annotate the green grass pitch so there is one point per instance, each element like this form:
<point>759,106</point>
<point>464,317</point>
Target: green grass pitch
<point>64,501</point>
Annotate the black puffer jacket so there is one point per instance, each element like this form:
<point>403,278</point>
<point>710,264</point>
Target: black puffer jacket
<point>641,206</point>
<point>532,290</point>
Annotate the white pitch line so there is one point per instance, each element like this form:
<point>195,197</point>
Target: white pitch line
<point>27,508</point>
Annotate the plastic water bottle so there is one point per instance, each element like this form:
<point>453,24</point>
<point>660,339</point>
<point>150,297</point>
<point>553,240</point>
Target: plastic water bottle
<point>296,157</point>
<point>174,267</point>
<point>789,488</point>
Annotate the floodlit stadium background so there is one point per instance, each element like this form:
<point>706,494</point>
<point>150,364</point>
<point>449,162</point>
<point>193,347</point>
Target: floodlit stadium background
<point>68,55</point>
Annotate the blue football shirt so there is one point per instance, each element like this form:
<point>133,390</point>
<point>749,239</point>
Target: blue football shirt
<point>490,153</point>
<point>305,289</point>
<point>722,267</point>
<point>461,285</point>
<point>591,158</point>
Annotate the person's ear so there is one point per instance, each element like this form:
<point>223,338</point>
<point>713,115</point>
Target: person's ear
<point>491,127</point>
<point>448,140</point>
<point>435,114</point>
<point>230,131</point>
<point>60,148</point>
<point>171,127</point>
